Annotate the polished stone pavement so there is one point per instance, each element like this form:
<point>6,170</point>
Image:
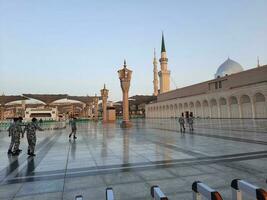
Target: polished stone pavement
<point>130,161</point>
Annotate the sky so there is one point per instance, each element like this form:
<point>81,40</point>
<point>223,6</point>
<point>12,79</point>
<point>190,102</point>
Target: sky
<point>75,46</point>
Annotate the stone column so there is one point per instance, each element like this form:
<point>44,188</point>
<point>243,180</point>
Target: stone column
<point>219,111</point>
<point>229,110</point>
<point>84,110</point>
<point>125,78</point>
<point>73,110</point>
<point>195,111</point>
<point>23,106</point>
<point>90,107</point>
<point>240,110</point>
<point>253,109</point>
<point>95,102</point>
<point>210,113</point>
<point>104,95</point>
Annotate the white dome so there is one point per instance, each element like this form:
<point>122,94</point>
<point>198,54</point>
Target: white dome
<point>228,67</point>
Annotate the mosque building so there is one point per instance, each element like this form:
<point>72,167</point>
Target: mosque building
<point>233,93</point>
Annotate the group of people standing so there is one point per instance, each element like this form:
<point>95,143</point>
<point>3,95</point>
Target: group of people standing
<point>16,131</point>
<point>190,121</point>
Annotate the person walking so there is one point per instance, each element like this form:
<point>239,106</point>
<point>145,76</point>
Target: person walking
<point>190,123</point>
<point>17,131</point>
<point>73,128</point>
<point>10,134</point>
<point>31,135</point>
<point>182,122</point>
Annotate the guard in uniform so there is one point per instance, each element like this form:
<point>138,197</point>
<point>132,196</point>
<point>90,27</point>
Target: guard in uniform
<point>31,135</point>
<point>182,122</point>
<point>17,131</point>
<point>190,123</point>
<point>73,128</point>
<point>10,134</point>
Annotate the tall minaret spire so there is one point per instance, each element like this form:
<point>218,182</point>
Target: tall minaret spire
<point>164,74</point>
<point>163,44</point>
<point>258,62</point>
<point>155,80</point>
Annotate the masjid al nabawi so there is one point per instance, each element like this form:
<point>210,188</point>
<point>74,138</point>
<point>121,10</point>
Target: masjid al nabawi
<point>233,93</point>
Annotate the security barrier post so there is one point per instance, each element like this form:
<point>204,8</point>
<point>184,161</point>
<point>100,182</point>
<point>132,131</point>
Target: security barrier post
<point>239,186</point>
<point>200,188</point>
<point>109,194</point>
<point>157,194</point>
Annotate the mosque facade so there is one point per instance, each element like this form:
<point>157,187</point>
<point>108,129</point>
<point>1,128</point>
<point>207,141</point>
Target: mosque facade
<point>233,93</point>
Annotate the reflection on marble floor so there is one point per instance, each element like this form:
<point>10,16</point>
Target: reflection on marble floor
<point>132,160</point>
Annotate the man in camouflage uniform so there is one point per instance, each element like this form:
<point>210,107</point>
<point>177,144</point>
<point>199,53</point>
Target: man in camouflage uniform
<point>10,134</point>
<point>190,123</point>
<point>17,131</point>
<point>31,135</point>
<point>73,128</point>
<point>182,122</point>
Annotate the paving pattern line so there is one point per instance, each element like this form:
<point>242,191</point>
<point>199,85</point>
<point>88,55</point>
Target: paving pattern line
<point>134,167</point>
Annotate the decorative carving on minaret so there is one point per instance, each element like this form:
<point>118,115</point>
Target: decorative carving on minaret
<point>164,73</point>
<point>155,80</point>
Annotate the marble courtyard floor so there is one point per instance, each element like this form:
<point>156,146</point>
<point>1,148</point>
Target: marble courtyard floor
<point>132,160</point>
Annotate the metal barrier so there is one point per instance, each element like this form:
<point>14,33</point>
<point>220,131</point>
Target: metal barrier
<point>157,194</point>
<point>109,194</point>
<point>200,188</point>
<point>79,197</point>
<point>239,186</point>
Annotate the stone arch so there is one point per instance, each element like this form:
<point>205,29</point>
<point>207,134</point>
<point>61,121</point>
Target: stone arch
<point>157,112</point>
<point>167,113</point>
<point>246,106</point>
<point>180,108</point>
<point>233,105</point>
<point>167,107</point>
<point>205,107</point>
<point>198,109</point>
<point>185,108</point>
<point>160,111</point>
<point>223,107</point>
<point>214,108</point>
<point>172,111</point>
<point>260,105</point>
<point>175,109</point>
<point>192,108</point>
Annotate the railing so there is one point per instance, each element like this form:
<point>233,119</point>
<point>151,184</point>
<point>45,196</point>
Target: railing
<point>109,194</point>
<point>157,194</point>
<point>241,186</point>
<point>200,189</point>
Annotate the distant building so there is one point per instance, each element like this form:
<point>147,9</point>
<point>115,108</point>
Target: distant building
<point>234,93</point>
<point>42,113</point>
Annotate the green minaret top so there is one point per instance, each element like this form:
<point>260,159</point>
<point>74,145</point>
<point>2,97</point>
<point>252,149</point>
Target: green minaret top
<point>163,44</point>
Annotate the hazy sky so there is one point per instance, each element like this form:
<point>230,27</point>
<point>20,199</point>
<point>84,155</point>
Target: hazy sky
<point>75,46</point>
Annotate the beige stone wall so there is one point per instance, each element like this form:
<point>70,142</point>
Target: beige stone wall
<point>248,77</point>
<point>111,115</point>
<point>249,101</point>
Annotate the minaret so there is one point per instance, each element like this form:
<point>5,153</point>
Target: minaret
<point>258,62</point>
<point>155,81</point>
<point>164,73</point>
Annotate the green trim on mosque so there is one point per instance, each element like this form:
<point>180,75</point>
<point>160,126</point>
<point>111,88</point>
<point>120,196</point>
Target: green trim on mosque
<point>163,44</point>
